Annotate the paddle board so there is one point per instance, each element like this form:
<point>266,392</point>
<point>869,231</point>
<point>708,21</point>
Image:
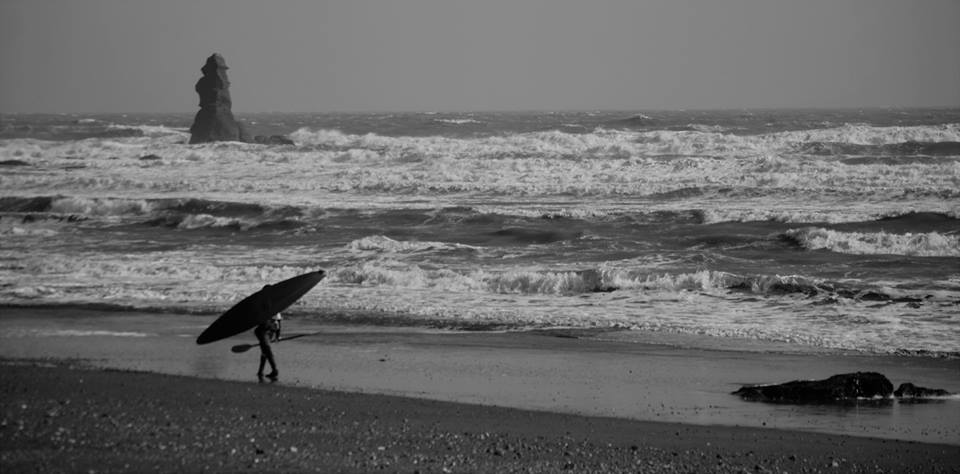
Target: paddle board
<point>260,306</point>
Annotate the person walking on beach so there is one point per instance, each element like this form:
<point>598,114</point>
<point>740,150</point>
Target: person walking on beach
<point>266,332</point>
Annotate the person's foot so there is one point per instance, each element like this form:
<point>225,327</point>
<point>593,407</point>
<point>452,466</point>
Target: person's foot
<point>273,375</point>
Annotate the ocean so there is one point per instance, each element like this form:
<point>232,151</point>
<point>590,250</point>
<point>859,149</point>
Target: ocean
<point>808,230</point>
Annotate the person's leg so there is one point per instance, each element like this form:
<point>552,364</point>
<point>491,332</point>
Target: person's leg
<point>273,364</point>
<point>265,351</point>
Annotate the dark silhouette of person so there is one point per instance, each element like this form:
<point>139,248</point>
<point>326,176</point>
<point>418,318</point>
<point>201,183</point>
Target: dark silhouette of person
<point>266,332</point>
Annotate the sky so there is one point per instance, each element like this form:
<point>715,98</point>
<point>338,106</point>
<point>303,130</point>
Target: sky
<point>96,56</point>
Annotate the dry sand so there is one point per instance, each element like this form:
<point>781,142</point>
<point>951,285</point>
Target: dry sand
<point>66,418</point>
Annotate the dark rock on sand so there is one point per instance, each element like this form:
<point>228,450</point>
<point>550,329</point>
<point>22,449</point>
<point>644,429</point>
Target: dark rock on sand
<point>909,390</point>
<point>837,388</point>
<point>273,140</point>
<point>214,121</point>
<point>150,158</point>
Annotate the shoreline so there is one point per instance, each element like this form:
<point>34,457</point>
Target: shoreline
<point>64,417</point>
<point>375,321</point>
<point>529,371</point>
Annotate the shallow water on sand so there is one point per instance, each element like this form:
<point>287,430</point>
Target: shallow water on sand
<point>525,370</point>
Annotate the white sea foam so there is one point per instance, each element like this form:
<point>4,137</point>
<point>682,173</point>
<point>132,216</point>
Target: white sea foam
<point>619,143</point>
<point>603,163</point>
<point>100,206</point>
<point>816,213</point>
<point>593,211</point>
<point>712,216</point>
<point>202,221</point>
<point>570,282</point>
<point>147,274</point>
<point>155,130</point>
<point>381,243</point>
<point>932,244</point>
<point>605,173</point>
<point>708,128</point>
<point>457,121</point>
<point>146,267</point>
<point>26,231</point>
<point>509,296</point>
<point>860,134</point>
<point>86,333</point>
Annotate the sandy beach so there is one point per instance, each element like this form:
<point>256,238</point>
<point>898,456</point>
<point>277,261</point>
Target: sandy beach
<point>88,390</point>
<point>59,418</point>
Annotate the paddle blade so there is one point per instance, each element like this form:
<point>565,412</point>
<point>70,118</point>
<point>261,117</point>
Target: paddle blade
<point>240,348</point>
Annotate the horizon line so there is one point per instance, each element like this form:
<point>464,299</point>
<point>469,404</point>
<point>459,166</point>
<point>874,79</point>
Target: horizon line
<point>512,111</point>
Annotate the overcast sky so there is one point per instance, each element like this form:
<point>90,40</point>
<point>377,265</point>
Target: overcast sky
<point>426,55</point>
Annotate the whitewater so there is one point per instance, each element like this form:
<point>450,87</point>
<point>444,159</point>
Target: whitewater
<point>823,230</point>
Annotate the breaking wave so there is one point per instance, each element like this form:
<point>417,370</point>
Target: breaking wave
<point>929,244</point>
<point>381,243</point>
<point>659,164</point>
<point>96,206</point>
<point>520,224</point>
<point>178,213</point>
<point>604,280</point>
<point>710,224</point>
<point>457,121</point>
<point>942,140</point>
<point>143,274</point>
<point>910,148</point>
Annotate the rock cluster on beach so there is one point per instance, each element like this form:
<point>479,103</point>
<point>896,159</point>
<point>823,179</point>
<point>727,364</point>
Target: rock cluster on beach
<point>909,390</point>
<point>838,388</point>
<point>214,121</point>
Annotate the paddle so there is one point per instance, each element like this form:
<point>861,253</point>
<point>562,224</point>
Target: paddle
<point>239,348</point>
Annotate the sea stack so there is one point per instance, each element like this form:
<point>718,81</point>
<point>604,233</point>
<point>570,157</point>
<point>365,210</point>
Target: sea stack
<point>214,122</point>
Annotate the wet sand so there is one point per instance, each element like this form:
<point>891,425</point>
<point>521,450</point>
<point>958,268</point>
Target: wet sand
<point>60,418</point>
<point>543,401</point>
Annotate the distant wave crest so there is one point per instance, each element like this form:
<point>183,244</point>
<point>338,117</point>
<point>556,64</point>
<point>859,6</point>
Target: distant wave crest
<point>846,139</point>
<point>605,163</point>
<point>381,243</point>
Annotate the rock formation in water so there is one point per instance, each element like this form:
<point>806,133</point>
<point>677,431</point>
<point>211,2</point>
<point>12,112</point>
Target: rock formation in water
<point>214,121</point>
